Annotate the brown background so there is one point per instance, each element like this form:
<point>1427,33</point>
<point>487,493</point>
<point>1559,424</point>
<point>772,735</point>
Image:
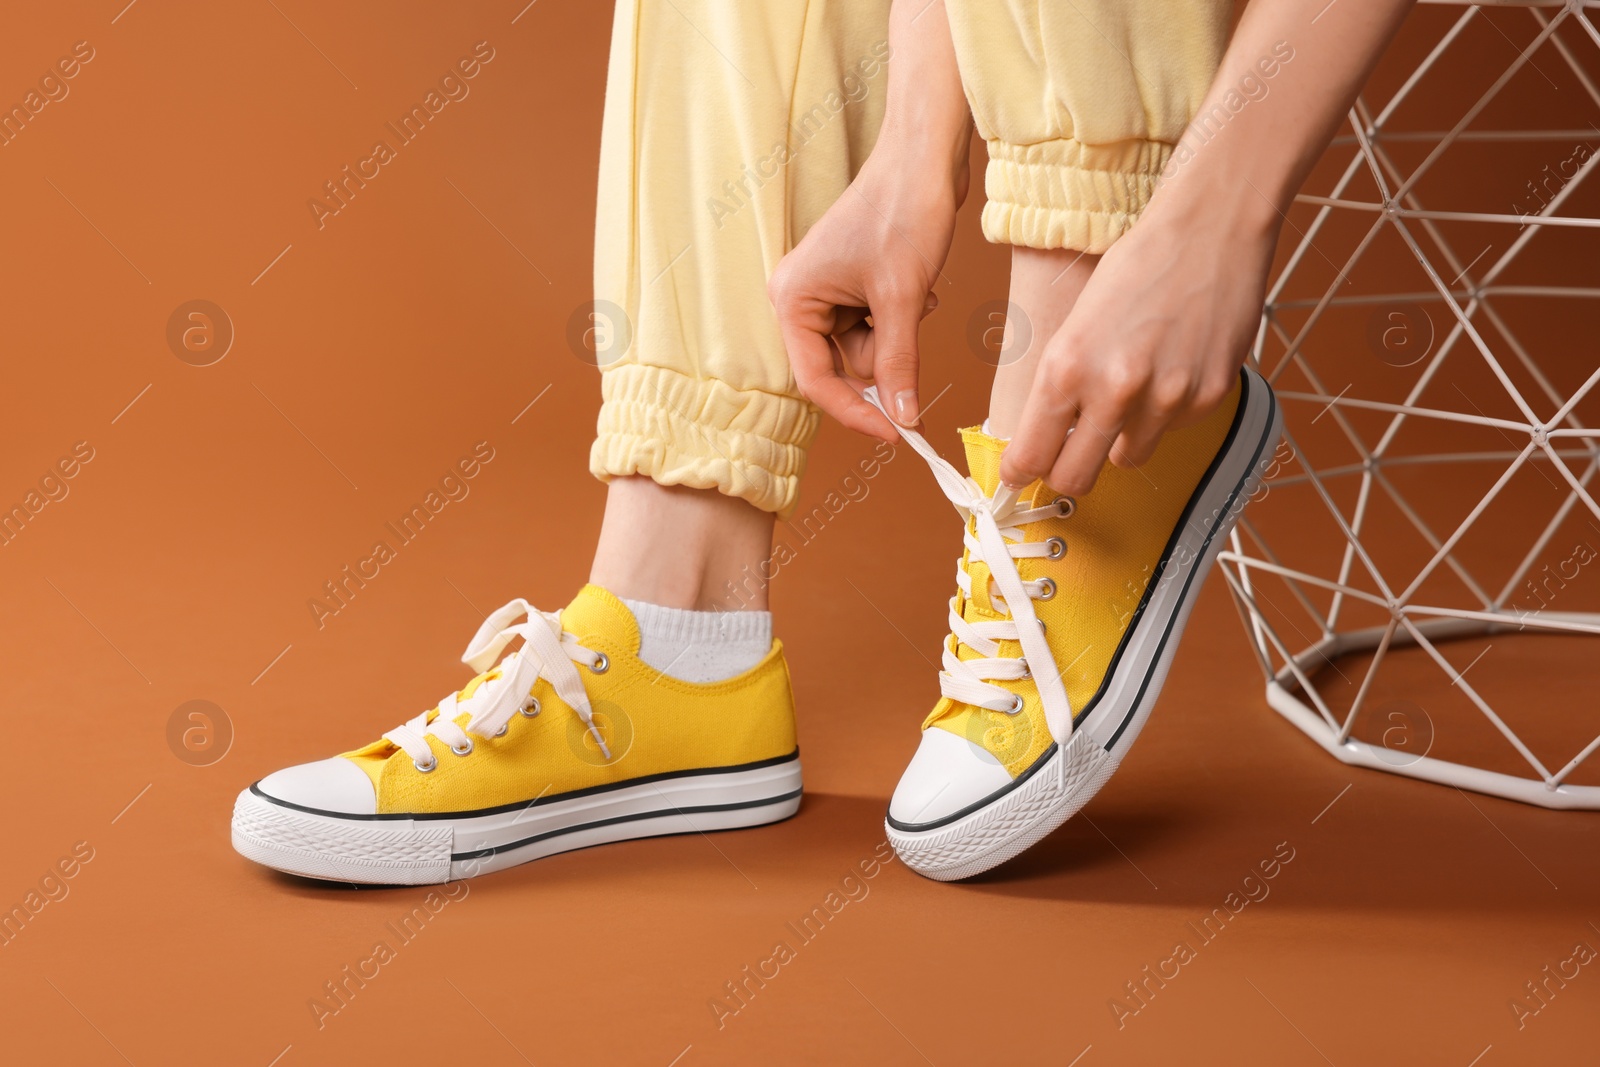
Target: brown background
<point>424,318</point>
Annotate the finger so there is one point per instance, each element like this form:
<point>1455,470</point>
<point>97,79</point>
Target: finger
<point>846,318</point>
<point>1046,418</point>
<point>855,337</point>
<point>855,346</point>
<point>1084,454</point>
<point>1137,443</point>
<point>895,317</point>
<point>817,378</point>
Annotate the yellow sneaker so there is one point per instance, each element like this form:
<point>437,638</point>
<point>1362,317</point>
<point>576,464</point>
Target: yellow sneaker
<point>570,741</point>
<point>1063,628</point>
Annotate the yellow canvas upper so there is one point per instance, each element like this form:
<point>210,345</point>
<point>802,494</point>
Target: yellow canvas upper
<point>1115,537</point>
<point>653,724</point>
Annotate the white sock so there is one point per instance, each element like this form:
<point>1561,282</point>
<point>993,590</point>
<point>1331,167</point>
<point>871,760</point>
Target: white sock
<point>701,646</point>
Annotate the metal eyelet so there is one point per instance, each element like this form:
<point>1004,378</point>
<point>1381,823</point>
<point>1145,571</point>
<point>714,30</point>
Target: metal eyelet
<point>1049,589</point>
<point>1016,704</point>
<point>1065,505</point>
<point>433,761</point>
<point>1058,548</point>
<point>601,664</point>
<point>502,731</point>
<point>531,708</point>
<point>464,750</point>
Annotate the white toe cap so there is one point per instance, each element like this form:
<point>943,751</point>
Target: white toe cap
<point>334,784</point>
<point>948,773</point>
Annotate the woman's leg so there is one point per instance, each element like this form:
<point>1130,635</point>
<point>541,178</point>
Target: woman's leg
<point>729,129</point>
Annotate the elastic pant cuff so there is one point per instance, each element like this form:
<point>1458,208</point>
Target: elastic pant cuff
<point>1066,194</point>
<point>702,433</point>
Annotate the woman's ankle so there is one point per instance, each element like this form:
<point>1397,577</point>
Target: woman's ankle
<point>680,547</point>
<point>1044,287</point>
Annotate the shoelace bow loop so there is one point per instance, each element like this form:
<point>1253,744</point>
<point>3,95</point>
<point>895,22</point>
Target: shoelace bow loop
<point>497,694</point>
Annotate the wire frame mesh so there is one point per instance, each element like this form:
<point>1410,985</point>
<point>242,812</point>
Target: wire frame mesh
<point>1432,336</point>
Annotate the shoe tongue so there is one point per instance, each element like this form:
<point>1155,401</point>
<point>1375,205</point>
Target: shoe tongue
<point>983,464</point>
<point>983,458</point>
<point>595,612</point>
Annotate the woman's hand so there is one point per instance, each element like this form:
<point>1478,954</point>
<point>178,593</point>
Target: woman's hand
<point>878,250</point>
<point>1161,327</point>
<point>1154,342</point>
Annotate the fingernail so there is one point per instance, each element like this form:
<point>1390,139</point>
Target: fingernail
<point>931,303</point>
<point>1013,485</point>
<point>905,407</point>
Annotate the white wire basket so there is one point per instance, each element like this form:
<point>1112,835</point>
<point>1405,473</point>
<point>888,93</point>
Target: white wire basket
<point>1432,507</point>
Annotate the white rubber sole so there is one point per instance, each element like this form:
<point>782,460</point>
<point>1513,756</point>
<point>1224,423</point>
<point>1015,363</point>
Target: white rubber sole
<point>1063,781</point>
<point>408,850</point>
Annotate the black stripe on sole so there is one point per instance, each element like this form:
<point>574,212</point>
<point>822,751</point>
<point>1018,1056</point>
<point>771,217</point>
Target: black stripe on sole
<point>539,801</point>
<point>483,853</point>
<point>1205,547</point>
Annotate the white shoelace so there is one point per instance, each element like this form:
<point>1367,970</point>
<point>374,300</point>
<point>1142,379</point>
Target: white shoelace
<point>999,545</point>
<point>547,650</point>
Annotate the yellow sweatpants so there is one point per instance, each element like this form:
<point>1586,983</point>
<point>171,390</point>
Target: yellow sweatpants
<point>732,125</point>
